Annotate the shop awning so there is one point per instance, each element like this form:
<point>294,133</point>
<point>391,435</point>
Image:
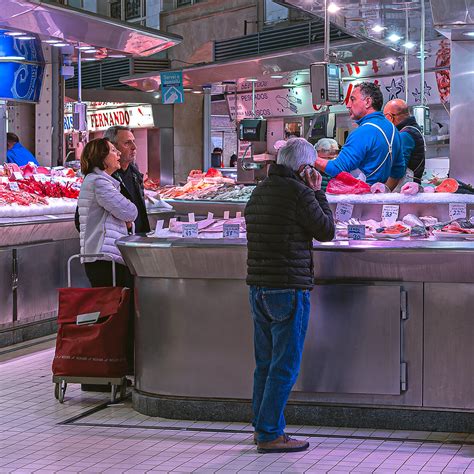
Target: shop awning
<point>50,20</point>
<point>283,62</point>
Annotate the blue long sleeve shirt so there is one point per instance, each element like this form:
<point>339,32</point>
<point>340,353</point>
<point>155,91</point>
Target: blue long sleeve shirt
<point>366,148</point>
<point>20,155</point>
<point>408,145</point>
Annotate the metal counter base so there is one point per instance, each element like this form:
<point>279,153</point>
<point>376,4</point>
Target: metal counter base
<point>389,342</point>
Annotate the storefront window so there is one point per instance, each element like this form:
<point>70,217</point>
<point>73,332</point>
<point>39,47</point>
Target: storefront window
<point>116,9</point>
<point>275,12</point>
<point>132,9</point>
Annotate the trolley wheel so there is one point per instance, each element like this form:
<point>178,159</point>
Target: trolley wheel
<point>113,393</point>
<point>56,391</point>
<point>62,391</point>
<point>123,390</point>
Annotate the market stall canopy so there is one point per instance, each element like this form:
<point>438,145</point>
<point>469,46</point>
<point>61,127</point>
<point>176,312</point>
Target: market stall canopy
<point>349,49</point>
<point>50,20</point>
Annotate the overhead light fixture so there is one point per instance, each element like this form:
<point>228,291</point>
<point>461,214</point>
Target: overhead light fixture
<point>12,58</point>
<point>252,79</point>
<point>14,33</point>
<point>197,92</point>
<point>116,56</point>
<point>90,50</point>
<point>409,45</point>
<point>304,73</point>
<point>470,34</point>
<point>51,41</point>
<point>288,85</point>
<point>394,38</point>
<point>89,59</point>
<point>390,61</point>
<point>187,89</point>
<point>333,8</point>
<point>378,28</point>
<point>276,76</point>
<point>83,48</point>
<point>157,96</point>
<point>25,37</point>
<point>59,45</point>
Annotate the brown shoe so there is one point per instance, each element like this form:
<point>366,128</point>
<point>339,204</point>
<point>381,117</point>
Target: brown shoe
<point>283,444</point>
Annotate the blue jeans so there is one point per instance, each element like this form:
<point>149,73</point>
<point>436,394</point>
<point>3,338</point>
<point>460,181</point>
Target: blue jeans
<point>280,319</point>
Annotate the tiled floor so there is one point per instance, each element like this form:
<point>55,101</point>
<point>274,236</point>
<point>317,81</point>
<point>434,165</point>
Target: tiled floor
<point>35,438</point>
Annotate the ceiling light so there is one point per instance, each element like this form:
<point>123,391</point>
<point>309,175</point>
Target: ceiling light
<point>197,92</point>
<point>390,61</point>
<point>59,45</point>
<point>25,37</point>
<point>157,96</point>
<point>90,50</point>
<point>116,56</point>
<point>304,73</point>
<point>187,89</point>
<point>333,8</point>
<point>252,79</point>
<point>471,34</point>
<point>14,33</point>
<point>394,38</point>
<point>288,85</point>
<point>88,59</point>
<point>378,28</point>
<point>83,48</point>
<point>51,41</point>
<point>12,58</point>
<point>276,76</point>
<point>409,45</point>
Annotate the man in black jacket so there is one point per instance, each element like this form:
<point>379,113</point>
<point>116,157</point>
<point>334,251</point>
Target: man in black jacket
<point>285,212</point>
<point>131,180</point>
<point>413,141</point>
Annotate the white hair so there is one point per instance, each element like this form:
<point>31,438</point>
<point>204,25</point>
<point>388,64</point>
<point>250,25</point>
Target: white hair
<point>295,153</point>
<point>326,144</point>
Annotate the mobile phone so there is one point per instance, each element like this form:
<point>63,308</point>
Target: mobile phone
<point>311,169</point>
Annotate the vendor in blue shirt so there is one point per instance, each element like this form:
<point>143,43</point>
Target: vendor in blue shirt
<point>17,153</point>
<point>374,147</point>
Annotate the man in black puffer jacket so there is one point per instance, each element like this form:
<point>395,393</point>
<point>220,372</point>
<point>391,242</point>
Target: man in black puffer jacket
<point>285,212</point>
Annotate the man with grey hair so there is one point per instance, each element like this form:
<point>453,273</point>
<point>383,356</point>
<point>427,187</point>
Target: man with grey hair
<point>286,211</point>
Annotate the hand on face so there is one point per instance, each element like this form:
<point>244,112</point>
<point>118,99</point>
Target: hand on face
<point>311,177</point>
<point>112,160</point>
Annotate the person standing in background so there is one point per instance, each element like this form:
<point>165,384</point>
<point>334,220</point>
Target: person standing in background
<point>327,149</point>
<point>17,153</point>
<point>413,141</point>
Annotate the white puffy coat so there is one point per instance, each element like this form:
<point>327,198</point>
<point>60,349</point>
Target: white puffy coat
<point>103,213</point>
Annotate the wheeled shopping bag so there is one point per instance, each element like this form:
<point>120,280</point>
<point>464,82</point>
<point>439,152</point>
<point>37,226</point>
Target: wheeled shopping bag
<point>91,345</point>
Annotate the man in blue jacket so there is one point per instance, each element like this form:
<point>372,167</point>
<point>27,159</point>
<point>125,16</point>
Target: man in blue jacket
<point>17,153</point>
<point>374,147</point>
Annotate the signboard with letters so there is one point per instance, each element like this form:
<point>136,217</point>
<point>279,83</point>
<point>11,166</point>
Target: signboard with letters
<point>172,87</point>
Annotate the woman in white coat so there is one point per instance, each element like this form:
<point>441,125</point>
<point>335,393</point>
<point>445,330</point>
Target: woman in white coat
<point>105,214</point>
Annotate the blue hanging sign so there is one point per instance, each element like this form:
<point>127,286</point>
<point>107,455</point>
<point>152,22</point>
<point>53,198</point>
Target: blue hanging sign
<point>21,78</point>
<point>172,87</point>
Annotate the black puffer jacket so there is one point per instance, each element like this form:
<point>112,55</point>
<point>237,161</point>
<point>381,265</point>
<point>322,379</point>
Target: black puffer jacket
<point>283,215</point>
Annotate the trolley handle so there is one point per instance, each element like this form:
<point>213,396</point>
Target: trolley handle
<point>89,255</point>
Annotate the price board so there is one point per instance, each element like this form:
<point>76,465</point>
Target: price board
<point>390,212</point>
<point>231,231</point>
<point>190,231</point>
<point>344,211</point>
<point>17,175</point>
<point>14,186</point>
<point>457,210</point>
<point>356,232</point>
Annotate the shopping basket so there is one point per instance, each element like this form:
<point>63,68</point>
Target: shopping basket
<point>91,344</point>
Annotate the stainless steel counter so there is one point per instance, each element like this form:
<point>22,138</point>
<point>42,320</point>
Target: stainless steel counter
<point>379,314</point>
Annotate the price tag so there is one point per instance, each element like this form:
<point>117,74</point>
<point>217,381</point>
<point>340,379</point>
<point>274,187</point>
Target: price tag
<point>226,215</point>
<point>17,175</point>
<point>14,186</point>
<point>191,217</point>
<point>390,212</point>
<point>190,231</point>
<point>40,177</point>
<point>344,211</point>
<point>159,227</point>
<point>457,210</point>
<point>356,232</point>
<point>4,180</point>
<point>231,231</point>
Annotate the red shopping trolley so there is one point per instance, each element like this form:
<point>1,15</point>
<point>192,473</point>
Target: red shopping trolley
<point>91,345</point>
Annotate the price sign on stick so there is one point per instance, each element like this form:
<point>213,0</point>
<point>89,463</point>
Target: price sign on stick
<point>390,212</point>
<point>190,231</point>
<point>344,211</point>
<point>17,175</point>
<point>356,232</point>
<point>231,231</point>
<point>457,210</point>
<point>14,186</point>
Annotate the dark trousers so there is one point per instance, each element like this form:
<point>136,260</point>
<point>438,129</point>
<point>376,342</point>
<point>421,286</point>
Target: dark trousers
<point>99,274</point>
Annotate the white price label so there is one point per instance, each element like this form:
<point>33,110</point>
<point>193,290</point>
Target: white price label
<point>14,186</point>
<point>17,175</point>
<point>4,180</point>
<point>231,231</point>
<point>190,231</point>
<point>457,210</point>
<point>356,232</point>
<point>40,177</point>
<point>390,212</point>
<point>344,211</point>
<point>471,216</point>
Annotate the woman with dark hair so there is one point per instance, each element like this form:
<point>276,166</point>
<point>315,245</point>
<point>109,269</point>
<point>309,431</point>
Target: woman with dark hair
<point>105,214</point>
